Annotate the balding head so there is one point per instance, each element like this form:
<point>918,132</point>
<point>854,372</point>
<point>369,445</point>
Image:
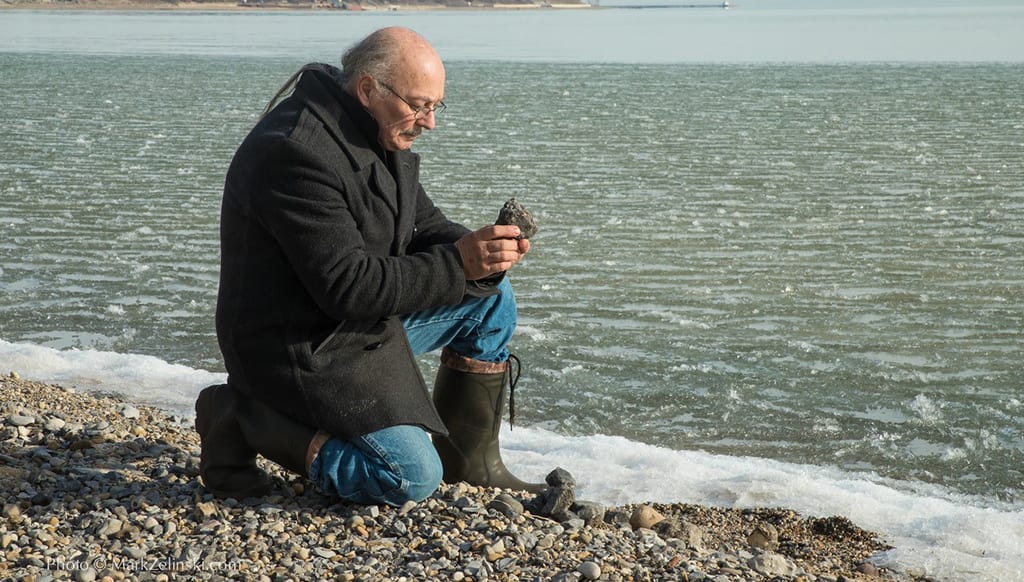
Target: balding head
<point>388,53</point>
<point>396,75</point>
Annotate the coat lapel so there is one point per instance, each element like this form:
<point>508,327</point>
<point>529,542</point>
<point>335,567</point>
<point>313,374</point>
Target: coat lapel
<point>407,172</point>
<point>397,186</point>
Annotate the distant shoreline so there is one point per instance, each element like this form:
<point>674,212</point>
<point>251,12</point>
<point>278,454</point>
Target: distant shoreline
<point>272,6</point>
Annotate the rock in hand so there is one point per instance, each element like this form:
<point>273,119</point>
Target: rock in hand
<point>515,213</point>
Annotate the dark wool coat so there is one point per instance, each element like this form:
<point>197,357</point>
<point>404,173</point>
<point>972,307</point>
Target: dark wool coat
<point>326,239</point>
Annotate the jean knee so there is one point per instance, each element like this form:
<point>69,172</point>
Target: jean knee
<point>422,477</point>
<point>408,459</point>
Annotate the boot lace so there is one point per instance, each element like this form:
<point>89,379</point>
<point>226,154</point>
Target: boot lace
<point>513,380</point>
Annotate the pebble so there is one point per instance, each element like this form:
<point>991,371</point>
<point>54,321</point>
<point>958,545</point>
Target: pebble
<point>765,537</point>
<point>98,489</point>
<point>20,420</point>
<point>590,570</point>
<point>644,517</point>
<point>54,424</point>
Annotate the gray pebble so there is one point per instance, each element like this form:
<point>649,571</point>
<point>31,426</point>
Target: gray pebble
<point>590,570</point>
<point>20,420</point>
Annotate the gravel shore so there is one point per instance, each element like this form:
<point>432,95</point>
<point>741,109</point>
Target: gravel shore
<point>98,488</point>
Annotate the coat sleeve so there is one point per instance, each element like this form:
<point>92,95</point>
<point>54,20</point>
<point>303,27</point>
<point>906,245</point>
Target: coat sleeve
<point>301,201</point>
<point>432,228</point>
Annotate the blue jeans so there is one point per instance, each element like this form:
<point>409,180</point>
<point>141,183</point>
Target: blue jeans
<point>397,464</point>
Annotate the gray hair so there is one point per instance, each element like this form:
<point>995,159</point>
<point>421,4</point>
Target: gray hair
<point>374,56</point>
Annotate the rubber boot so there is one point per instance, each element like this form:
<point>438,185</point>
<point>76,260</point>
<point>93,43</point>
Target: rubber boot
<point>470,404</point>
<point>227,463</point>
<point>275,436</point>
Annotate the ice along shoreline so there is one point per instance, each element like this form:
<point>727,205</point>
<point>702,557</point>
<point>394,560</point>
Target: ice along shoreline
<point>102,487</point>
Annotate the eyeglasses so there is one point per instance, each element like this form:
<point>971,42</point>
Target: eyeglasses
<point>421,111</point>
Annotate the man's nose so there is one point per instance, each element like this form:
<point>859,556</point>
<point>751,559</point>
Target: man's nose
<point>428,121</point>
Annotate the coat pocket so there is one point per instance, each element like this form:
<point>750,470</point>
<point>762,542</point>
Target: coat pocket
<point>364,379</point>
<point>350,334</point>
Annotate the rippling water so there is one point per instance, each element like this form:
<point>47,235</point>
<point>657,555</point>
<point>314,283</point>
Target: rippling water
<point>811,263</point>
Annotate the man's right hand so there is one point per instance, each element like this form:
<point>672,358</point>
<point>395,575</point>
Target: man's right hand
<point>491,249</point>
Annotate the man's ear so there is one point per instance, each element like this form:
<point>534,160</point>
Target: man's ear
<point>364,86</point>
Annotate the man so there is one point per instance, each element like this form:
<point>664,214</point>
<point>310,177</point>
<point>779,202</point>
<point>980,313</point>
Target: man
<point>336,269</point>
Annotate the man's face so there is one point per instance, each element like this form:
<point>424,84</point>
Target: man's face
<point>405,106</point>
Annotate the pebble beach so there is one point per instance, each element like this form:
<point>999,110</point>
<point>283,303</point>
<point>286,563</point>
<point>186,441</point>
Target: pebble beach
<point>98,488</point>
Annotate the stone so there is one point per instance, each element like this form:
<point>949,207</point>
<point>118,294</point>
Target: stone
<point>110,527</point>
<point>557,500</point>
<point>764,537</point>
<point>506,505</point>
<point>12,512</point>
<point>617,518</point>
<point>54,424</point>
<point>515,213</point>
<point>644,517</point>
<point>590,512</point>
<point>20,420</point>
<point>324,552</point>
<point>771,564</point>
<point>81,444</point>
<point>560,477</point>
<point>690,534</point>
<point>590,570</point>
<point>205,510</point>
<point>868,569</point>
<point>495,551</point>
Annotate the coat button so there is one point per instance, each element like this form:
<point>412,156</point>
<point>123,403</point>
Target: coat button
<point>373,346</point>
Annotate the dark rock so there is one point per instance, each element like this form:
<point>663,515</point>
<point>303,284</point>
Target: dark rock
<point>536,504</point>
<point>506,505</point>
<point>564,516</point>
<point>515,213</point>
<point>560,478</point>
<point>617,518</point>
<point>557,500</point>
<point>590,512</point>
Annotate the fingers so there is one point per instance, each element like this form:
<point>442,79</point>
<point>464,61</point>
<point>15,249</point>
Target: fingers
<point>499,231</point>
<point>491,250</point>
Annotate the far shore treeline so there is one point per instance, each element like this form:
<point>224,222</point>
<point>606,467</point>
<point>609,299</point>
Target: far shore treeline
<point>355,5</point>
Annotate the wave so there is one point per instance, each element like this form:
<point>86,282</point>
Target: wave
<point>934,532</point>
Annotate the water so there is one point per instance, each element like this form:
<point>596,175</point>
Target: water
<point>758,282</point>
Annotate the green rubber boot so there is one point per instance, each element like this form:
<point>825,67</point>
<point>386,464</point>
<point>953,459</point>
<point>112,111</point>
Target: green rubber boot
<point>470,404</point>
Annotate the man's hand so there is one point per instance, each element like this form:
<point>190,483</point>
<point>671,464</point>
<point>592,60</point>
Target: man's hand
<point>490,250</point>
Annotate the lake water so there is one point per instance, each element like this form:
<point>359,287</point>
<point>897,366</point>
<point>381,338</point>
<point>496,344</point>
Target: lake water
<point>779,259</point>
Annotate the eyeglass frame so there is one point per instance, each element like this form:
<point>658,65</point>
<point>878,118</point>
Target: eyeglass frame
<point>421,111</point>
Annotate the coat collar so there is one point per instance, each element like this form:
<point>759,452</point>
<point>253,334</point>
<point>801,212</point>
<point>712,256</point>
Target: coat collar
<point>320,87</point>
<point>396,174</point>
